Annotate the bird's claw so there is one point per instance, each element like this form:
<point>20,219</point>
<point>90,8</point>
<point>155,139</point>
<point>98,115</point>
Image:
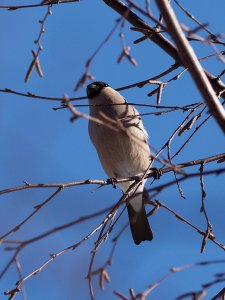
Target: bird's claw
<point>156,173</point>
<point>112,181</point>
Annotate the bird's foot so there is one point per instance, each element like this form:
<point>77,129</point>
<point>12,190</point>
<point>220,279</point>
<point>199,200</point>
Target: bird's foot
<point>156,173</point>
<point>112,181</point>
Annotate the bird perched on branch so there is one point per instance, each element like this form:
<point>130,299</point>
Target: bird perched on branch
<point>121,143</point>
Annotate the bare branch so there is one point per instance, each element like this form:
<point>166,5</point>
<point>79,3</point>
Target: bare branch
<point>164,44</point>
<point>107,182</point>
<point>190,61</point>
<point>54,2</point>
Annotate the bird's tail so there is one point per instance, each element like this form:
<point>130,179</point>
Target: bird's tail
<point>139,225</point>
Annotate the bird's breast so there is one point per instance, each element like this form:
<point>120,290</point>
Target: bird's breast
<point>122,153</point>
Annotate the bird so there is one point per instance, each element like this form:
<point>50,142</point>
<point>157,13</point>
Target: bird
<point>122,153</point>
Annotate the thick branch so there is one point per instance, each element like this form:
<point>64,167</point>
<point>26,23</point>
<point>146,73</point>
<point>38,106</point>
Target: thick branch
<point>170,49</point>
<point>133,19</point>
<point>190,61</point>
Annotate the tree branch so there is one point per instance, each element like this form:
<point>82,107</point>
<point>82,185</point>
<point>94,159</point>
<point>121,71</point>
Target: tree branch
<point>190,61</point>
<point>170,49</point>
<point>107,182</point>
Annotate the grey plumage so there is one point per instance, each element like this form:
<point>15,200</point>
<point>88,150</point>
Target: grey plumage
<point>123,153</point>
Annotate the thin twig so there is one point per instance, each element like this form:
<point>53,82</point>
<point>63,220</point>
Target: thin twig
<point>35,62</point>
<point>54,2</point>
<point>36,209</point>
<point>203,209</point>
<point>107,182</point>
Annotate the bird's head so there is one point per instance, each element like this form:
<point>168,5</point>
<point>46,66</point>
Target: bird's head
<point>94,88</point>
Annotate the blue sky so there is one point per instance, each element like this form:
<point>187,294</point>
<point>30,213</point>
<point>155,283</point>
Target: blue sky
<point>40,145</point>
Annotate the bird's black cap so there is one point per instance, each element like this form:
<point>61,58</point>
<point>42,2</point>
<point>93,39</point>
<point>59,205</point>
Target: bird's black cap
<point>94,88</point>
